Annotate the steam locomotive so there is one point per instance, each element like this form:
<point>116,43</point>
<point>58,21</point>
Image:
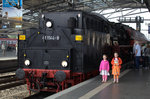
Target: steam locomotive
<point>66,49</point>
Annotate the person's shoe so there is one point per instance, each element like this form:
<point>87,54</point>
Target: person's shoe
<point>117,81</point>
<point>102,81</point>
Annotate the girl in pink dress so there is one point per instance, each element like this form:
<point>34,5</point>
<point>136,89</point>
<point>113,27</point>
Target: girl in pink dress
<point>104,68</point>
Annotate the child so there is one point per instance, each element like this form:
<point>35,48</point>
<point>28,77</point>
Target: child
<point>116,65</point>
<point>104,68</point>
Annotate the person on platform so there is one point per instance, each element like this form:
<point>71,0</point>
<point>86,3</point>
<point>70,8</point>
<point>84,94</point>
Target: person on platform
<point>116,65</point>
<point>16,48</point>
<point>3,49</point>
<point>145,56</point>
<point>137,54</point>
<point>147,53</point>
<point>104,68</point>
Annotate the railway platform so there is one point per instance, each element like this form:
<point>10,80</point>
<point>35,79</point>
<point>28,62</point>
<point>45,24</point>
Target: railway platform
<point>8,64</point>
<point>9,55</point>
<point>7,58</point>
<point>133,84</point>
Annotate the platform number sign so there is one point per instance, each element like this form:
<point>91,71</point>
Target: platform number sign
<point>148,28</point>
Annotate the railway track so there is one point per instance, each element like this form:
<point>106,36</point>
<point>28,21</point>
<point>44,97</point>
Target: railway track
<point>8,69</point>
<point>8,65</point>
<point>9,81</point>
<point>40,95</point>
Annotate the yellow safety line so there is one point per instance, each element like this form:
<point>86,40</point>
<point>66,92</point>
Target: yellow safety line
<point>101,87</point>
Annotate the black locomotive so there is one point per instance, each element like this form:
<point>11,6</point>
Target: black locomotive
<point>65,49</point>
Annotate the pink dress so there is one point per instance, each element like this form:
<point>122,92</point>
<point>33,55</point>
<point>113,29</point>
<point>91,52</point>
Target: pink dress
<point>104,68</point>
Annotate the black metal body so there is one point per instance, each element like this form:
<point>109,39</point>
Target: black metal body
<point>47,47</point>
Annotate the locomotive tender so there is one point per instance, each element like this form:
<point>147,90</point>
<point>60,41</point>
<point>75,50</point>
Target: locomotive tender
<point>63,51</point>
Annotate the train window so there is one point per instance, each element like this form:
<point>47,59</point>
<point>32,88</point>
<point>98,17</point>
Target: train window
<point>95,25</point>
<point>91,38</point>
<point>100,26</point>
<point>94,36</point>
<point>72,22</point>
<point>100,40</point>
<point>105,38</point>
<point>87,23</point>
<point>105,29</point>
<point>108,39</point>
<point>95,39</point>
<point>97,46</point>
<point>92,24</point>
<point>88,38</point>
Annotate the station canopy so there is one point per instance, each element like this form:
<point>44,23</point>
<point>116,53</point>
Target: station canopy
<point>32,8</point>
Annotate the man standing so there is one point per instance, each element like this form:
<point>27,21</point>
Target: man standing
<point>144,56</point>
<point>134,48</point>
<point>137,54</point>
<point>3,49</point>
<point>147,54</point>
<point>16,48</point>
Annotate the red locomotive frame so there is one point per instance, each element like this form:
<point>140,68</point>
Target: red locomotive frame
<point>71,78</point>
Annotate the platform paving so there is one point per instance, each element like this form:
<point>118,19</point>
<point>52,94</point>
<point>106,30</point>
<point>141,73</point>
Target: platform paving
<point>134,84</point>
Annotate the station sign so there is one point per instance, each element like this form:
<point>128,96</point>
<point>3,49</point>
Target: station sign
<point>136,19</point>
<point>149,28</point>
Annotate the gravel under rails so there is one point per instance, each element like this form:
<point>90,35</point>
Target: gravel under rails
<point>19,92</point>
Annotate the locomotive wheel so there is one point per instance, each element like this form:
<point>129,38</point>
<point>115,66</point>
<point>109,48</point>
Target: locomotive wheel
<point>60,76</point>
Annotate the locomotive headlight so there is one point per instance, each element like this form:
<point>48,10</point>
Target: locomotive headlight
<point>64,63</point>
<point>27,62</point>
<point>49,24</point>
